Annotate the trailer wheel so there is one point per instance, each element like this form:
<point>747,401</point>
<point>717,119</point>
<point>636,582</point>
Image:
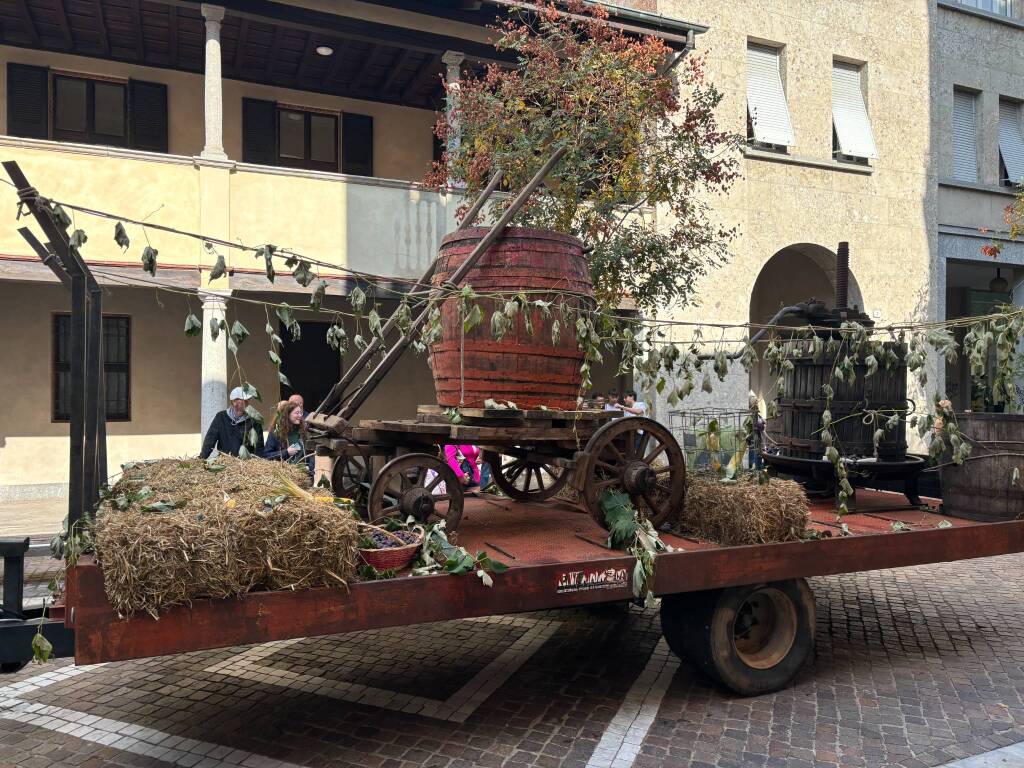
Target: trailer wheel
<point>752,639</point>
<point>10,667</point>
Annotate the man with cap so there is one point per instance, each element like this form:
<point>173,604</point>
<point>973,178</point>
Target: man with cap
<point>230,427</point>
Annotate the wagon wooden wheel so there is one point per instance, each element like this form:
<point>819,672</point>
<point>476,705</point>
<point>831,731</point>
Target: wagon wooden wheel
<point>639,457</point>
<point>350,474</point>
<point>405,487</point>
<point>525,479</point>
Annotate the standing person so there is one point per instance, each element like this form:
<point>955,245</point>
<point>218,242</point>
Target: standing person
<point>463,461</point>
<point>288,440</point>
<point>230,428</point>
<point>630,406</point>
<point>597,401</point>
<point>612,403</point>
<point>295,398</point>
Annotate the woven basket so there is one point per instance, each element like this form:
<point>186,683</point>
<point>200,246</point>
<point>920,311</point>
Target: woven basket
<point>391,558</point>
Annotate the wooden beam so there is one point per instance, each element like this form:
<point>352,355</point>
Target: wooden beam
<point>272,54</point>
<point>140,44</point>
<point>101,26</point>
<point>243,38</point>
<point>336,61</point>
<point>30,25</point>
<point>172,34</point>
<point>307,53</point>
<point>430,66</point>
<point>62,22</point>
<point>353,28</point>
<point>396,67</point>
<point>360,74</point>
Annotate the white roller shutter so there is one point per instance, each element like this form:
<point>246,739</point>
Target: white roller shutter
<point>965,146</point>
<point>1011,140</point>
<point>849,113</point>
<point>766,99</point>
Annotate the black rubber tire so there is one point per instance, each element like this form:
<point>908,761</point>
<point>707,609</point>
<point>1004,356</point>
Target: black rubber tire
<point>10,667</point>
<point>699,627</point>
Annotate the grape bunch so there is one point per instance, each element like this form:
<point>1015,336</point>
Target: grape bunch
<point>382,541</point>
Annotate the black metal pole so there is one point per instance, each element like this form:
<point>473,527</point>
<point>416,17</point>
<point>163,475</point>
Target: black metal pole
<point>94,412</point>
<point>79,328</point>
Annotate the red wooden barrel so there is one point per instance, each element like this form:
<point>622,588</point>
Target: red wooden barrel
<point>529,370</point>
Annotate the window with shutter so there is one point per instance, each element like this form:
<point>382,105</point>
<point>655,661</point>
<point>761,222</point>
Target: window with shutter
<point>1011,142</point>
<point>965,142</point>
<point>357,144</point>
<point>259,131</point>
<point>850,120</point>
<point>116,367</point>
<point>767,111</point>
<point>147,110</point>
<point>28,101</point>
<point>90,111</point>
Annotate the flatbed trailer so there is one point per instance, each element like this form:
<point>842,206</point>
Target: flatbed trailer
<point>744,614</point>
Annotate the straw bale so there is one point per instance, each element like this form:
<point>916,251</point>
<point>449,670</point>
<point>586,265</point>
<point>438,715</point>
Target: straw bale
<point>744,512</point>
<point>220,540</point>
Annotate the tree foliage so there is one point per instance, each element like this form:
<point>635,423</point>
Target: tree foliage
<point>639,134</point>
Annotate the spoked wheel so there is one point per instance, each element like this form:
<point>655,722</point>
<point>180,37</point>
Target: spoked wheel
<point>405,487</point>
<point>350,475</point>
<point>639,457</point>
<point>525,480</point>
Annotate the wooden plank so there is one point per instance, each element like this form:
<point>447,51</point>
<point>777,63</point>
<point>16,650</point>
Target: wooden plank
<point>243,37</point>
<point>266,616</point>
<point>735,566</point>
<point>30,25</point>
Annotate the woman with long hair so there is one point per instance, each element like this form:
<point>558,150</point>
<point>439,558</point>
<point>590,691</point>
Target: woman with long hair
<point>289,437</point>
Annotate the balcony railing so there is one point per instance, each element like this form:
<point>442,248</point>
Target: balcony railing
<point>379,226</point>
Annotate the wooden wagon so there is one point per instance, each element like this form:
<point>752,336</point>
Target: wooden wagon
<point>394,466</point>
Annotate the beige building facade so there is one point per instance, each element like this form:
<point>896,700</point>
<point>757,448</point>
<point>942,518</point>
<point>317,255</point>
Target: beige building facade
<point>307,125</point>
<point>915,230</point>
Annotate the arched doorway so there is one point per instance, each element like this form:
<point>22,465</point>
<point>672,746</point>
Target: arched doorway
<point>793,275</point>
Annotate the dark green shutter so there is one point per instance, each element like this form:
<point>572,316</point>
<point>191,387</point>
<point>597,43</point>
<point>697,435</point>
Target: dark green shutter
<point>357,144</point>
<point>147,115</point>
<point>259,131</point>
<point>28,101</point>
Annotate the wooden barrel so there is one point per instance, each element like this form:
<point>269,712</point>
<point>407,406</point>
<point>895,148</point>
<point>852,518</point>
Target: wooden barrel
<point>982,488</point>
<point>797,430</point>
<point>529,369</point>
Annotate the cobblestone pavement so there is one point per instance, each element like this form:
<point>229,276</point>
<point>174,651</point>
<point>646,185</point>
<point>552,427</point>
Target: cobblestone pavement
<point>915,667</point>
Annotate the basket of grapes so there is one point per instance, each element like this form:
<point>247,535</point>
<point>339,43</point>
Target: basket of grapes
<point>387,550</point>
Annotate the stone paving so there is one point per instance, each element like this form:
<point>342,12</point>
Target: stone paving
<point>915,667</point>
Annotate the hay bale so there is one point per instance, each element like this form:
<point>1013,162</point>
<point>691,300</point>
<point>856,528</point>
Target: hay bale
<point>744,512</point>
<point>220,539</point>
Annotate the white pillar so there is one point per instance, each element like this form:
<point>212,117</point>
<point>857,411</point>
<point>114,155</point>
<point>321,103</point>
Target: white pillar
<point>214,396</point>
<point>453,61</point>
<point>212,83</point>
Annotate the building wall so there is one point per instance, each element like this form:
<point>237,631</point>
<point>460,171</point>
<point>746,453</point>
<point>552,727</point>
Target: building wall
<point>403,143</point>
<point>164,368</point>
<point>887,212</point>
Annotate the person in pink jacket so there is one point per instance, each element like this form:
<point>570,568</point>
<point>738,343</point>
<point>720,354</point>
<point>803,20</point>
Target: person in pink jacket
<point>455,455</point>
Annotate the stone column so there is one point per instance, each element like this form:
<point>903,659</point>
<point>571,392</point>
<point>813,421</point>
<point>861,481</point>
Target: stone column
<point>212,84</point>
<point>215,363</point>
<point>453,61</point>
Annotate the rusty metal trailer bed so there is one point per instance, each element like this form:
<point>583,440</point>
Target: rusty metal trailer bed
<point>558,558</point>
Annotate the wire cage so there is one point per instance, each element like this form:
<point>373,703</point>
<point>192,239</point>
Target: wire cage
<point>712,438</point>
